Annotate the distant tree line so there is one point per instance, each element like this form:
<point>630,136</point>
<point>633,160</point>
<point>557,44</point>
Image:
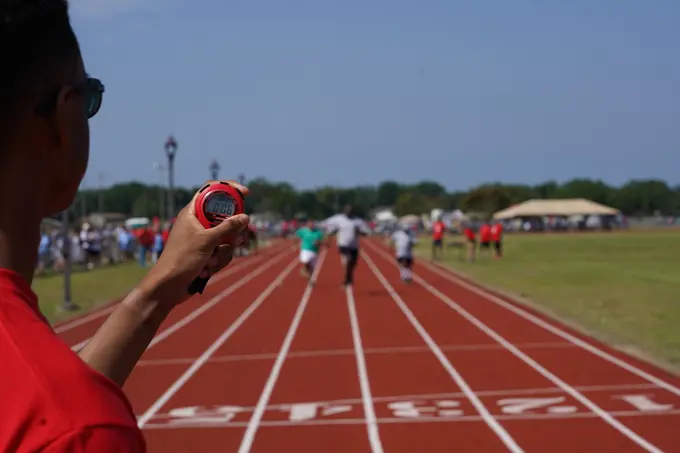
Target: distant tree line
<point>635,198</point>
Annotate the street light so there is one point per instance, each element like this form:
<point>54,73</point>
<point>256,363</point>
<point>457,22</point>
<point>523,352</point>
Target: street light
<point>66,244</point>
<point>171,151</point>
<point>214,170</point>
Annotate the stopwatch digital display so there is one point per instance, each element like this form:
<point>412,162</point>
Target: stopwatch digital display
<point>220,204</point>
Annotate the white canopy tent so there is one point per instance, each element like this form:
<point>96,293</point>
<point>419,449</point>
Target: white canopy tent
<point>564,207</point>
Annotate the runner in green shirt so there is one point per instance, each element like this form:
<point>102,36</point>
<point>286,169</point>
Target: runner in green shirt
<point>310,242</point>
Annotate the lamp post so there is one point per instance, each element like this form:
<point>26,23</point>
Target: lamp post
<point>214,170</point>
<point>67,303</point>
<point>171,151</point>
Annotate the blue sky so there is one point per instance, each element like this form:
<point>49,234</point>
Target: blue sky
<point>350,92</point>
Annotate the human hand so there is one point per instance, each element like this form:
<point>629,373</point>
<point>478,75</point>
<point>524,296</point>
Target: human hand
<point>193,251</point>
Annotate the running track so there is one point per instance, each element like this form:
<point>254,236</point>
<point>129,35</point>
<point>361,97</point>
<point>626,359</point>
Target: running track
<point>263,363</point>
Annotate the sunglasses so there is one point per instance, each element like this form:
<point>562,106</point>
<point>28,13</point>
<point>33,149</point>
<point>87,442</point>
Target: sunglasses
<point>91,89</point>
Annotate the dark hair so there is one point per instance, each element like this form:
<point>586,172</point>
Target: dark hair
<point>36,41</point>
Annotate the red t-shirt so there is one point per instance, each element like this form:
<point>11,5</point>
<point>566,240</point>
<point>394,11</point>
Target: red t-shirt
<point>485,233</point>
<point>146,238</point>
<point>496,232</point>
<point>438,230</point>
<point>469,233</point>
<point>52,401</point>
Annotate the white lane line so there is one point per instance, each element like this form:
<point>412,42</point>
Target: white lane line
<point>165,333</point>
<point>256,418</point>
<point>98,313</point>
<point>409,421</point>
<point>489,419</point>
<point>85,319</point>
<point>203,358</point>
<point>424,397</point>
<point>553,329</point>
<point>366,396</point>
<point>623,429</point>
<point>367,351</point>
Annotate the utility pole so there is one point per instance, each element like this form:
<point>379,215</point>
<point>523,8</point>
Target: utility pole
<point>83,201</point>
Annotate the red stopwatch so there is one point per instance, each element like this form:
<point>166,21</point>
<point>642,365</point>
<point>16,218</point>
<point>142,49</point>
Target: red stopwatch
<point>215,203</point>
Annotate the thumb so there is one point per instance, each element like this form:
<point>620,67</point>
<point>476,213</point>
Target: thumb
<point>230,228</point>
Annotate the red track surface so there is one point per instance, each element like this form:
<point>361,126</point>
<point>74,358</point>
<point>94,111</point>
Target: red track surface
<point>441,365</point>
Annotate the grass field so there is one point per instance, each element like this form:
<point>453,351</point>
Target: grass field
<point>622,287</point>
<point>89,289</point>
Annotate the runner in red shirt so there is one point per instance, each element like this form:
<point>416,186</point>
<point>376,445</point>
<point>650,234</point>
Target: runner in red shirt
<point>53,399</point>
<point>485,238</point>
<point>438,228</point>
<point>497,238</point>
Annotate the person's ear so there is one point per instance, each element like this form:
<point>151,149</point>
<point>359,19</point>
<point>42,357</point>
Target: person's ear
<point>67,113</point>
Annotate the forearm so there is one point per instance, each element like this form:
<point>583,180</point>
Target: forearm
<point>119,343</point>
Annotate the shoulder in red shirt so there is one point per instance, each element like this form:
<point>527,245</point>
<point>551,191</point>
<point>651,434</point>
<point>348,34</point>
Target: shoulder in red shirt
<point>53,401</point>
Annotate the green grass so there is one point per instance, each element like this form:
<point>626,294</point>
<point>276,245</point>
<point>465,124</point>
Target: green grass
<point>622,287</point>
<point>89,289</point>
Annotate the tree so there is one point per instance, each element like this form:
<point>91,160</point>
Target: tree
<point>388,192</point>
<point>637,197</point>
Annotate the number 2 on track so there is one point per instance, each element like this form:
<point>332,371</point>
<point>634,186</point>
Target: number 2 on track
<point>517,406</point>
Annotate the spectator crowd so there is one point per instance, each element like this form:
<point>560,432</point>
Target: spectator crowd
<point>90,247</point>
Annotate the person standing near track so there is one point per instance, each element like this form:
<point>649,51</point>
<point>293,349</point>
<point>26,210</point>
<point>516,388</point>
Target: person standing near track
<point>251,238</point>
<point>310,243</point>
<point>402,246</point>
<point>485,239</point>
<point>54,400</point>
<point>496,233</point>
<point>438,228</point>
<point>347,231</point>
<point>471,239</point>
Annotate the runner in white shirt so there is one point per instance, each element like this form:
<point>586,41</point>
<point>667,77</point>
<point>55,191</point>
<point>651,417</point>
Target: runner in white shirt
<point>347,231</point>
<point>402,245</point>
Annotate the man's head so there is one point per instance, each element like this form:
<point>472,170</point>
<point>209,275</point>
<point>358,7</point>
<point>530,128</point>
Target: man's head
<point>46,99</point>
<point>347,210</point>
